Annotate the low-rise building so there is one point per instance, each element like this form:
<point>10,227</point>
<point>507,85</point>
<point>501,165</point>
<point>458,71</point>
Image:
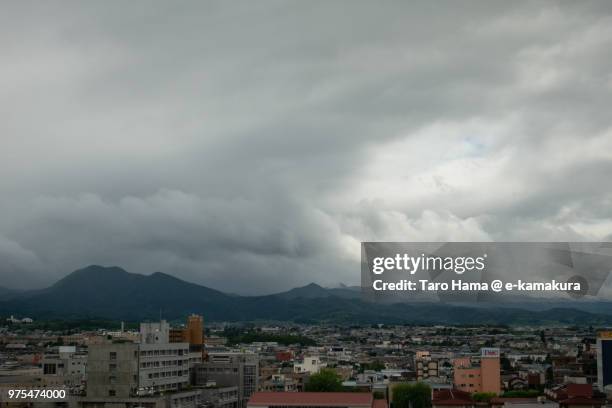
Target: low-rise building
<point>314,399</point>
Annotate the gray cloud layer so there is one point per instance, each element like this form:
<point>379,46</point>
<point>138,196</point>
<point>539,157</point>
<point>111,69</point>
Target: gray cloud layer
<point>250,146</point>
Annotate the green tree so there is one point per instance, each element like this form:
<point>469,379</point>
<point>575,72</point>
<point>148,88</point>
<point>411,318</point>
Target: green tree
<point>375,365</point>
<point>412,396</point>
<point>326,380</point>
<point>483,396</point>
<point>521,394</point>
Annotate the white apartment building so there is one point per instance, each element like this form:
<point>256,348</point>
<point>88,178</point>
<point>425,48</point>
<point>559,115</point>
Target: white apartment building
<point>311,364</point>
<point>163,366</point>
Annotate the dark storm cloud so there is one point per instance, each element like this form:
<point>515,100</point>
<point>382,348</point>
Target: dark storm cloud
<point>252,146</point>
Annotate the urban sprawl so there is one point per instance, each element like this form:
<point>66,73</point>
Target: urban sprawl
<point>227,365</point>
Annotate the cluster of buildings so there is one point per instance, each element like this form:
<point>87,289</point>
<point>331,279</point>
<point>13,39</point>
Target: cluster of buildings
<point>160,366</point>
<point>168,367</point>
<point>25,320</point>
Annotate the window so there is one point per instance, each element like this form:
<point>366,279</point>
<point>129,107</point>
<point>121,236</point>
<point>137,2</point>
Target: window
<point>112,355</point>
<point>112,393</point>
<point>49,369</point>
<point>112,367</point>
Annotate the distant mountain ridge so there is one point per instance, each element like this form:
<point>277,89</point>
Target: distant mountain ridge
<point>314,291</point>
<point>113,293</point>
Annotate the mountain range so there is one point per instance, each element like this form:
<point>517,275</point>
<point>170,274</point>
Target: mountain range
<point>113,293</point>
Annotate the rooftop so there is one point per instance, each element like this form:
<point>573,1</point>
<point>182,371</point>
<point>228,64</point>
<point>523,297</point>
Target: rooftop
<point>327,399</point>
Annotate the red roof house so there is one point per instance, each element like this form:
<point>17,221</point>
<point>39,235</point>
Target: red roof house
<point>315,399</point>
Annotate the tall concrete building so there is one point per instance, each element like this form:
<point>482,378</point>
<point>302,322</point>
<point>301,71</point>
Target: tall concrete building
<point>125,369</point>
<point>195,330</point>
<point>112,370</point>
<point>193,334</point>
<point>164,366</point>
<point>604,359</point>
<point>478,374</point>
<point>230,369</point>
<point>490,369</point>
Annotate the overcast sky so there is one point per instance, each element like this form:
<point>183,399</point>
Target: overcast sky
<point>250,146</point>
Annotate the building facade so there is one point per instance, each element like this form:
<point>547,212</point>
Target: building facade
<point>604,359</point>
<point>126,369</point>
<point>230,369</point>
<point>478,374</point>
<point>66,368</point>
